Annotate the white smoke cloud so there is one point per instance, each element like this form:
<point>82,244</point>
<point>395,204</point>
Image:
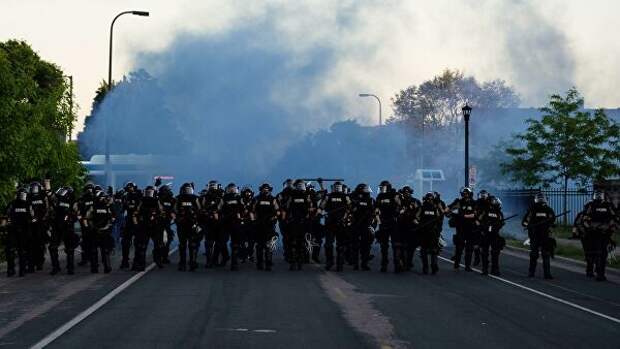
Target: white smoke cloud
<point>375,46</point>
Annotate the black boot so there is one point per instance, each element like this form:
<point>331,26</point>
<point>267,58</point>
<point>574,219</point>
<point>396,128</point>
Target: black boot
<point>589,266</point>
<point>485,263</point>
<point>533,262</point>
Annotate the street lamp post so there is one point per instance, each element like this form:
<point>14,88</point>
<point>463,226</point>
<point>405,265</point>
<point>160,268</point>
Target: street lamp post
<point>466,114</point>
<point>378,100</point>
<point>107,141</point>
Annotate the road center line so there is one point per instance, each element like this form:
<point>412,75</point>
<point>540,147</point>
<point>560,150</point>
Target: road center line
<point>543,294</point>
<point>93,308</point>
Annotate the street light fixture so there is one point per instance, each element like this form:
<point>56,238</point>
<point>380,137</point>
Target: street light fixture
<point>466,114</point>
<point>378,100</point>
<point>107,142</point>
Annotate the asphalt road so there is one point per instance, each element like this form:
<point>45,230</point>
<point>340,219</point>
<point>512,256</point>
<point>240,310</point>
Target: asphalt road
<point>313,308</point>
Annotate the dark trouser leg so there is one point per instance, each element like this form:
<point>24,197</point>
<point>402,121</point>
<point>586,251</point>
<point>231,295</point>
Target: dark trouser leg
<point>210,252</point>
<point>53,250</point>
<point>94,256</point>
<point>84,246</point>
<point>397,254</point>
<point>182,249</point>
<point>424,258</point>
<point>341,250</point>
<point>484,256</point>
<point>126,242</point>
<point>385,248</point>
<point>260,252</point>
<point>434,264</point>
<point>70,260</point>
<point>495,262</point>
<point>9,252</point>
<point>601,261</point>
<point>105,258</point>
<point>459,246</point>
<point>477,255</point>
<point>469,250</point>
<point>533,259</point>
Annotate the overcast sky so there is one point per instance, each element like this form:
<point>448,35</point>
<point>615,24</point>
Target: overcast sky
<point>539,47</point>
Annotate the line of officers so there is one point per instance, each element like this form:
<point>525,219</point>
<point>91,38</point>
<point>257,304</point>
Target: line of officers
<point>344,223</point>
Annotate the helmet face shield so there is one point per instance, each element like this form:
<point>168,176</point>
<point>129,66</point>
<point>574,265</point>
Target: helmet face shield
<point>337,188</point>
<point>383,189</point>
<point>598,196</point>
<point>35,188</point>
<point>188,190</point>
<point>212,185</point>
<point>22,195</point>
<point>149,193</point>
<point>540,199</point>
<point>300,185</point>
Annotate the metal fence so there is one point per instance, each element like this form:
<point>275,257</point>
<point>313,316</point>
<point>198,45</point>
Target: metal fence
<point>516,201</point>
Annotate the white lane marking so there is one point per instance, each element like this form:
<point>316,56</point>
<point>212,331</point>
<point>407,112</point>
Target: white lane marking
<point>546,295</point>
<point>93,308</point>
<point>247,330</point>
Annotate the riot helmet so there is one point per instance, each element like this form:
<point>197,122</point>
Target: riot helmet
<point>300,185</point>
<point>540,198</point>
<point>232,188</point>
<point>149,192</point>
<point>337,187</point>
<point>598,196</point>
<point>384,187</point>
<point>35,188</point>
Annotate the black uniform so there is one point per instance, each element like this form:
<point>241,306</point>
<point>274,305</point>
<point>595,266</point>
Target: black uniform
<point>430,218</point>
<point>232,211</point>
<point>20,216</point>
<point>283,223</point>
<point>63,231</point>
<point>86,201</point>
<point>336,206</point>
<point>210,222</point>
<point>466,236</point>
<point>187,209</point>
<point>151,227</point>
<point>363,224</point>
<point>265,207</point>
<point>538,220</point>
<point>248,227</point>
<point>168,204</point>
<point>39,230</point>
<point>407,225</point>
<point>599,220</point>
<point>132,229</point>
<point>297,214</point>
<point>491,221</point>
<point>100,219</point>
<point>388,205</point>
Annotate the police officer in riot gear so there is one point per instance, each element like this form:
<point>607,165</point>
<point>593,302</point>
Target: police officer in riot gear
<point>65,214</point>
<point>40,226</point>
<point>407,222</point>
<point>482,204</point>
<point>491,221</point>
<point>85,202</point>
<point>210,221</point>
<point>600,219</point>
<point>100,219</point>
<point>335,206</point>
<point>187,209</point>
<point>168,214</point>
<point>538,221</point>
<point>317,230</point>
<point>388,206</point>
<point>232,214</point>
<point>149,214</point>
<point>430,219</point>
<point>463,215</point>
<point>297,214</point>
<point>283,198</point>
<point>248,232</point>
<point>20,215</point>
<point>265,207</point>
<point>128,236</point>
<point>363,225</point>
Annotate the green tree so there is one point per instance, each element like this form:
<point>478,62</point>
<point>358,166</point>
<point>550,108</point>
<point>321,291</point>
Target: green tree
<point>36,118</point>
<point>566,144</point>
